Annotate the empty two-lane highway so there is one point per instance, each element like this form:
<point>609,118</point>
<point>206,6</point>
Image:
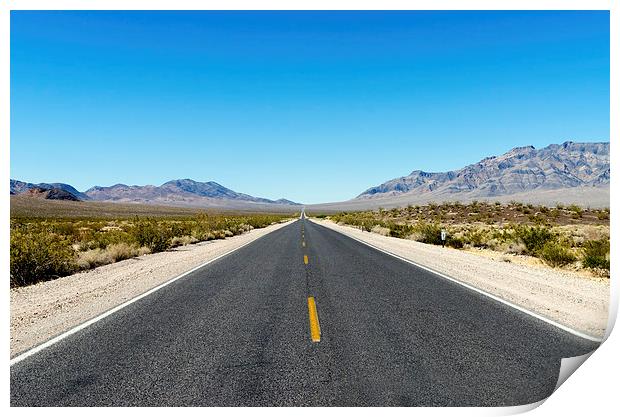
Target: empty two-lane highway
<point>302,316</point>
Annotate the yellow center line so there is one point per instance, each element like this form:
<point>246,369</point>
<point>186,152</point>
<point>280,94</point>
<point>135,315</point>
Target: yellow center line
<point>306,259</point>
<point>315,328</point>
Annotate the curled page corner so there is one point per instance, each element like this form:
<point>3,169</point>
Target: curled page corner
<point>570,365</point>
<point>521,409</point>
<point>567,367</point>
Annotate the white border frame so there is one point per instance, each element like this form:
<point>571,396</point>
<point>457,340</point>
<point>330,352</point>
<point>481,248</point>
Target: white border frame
<point>592,390</point>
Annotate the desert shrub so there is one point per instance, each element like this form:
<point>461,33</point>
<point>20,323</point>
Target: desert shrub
<point>554,213</point>
<point>104,239</point>
<point>93,258</point>
<point>576,210</point>
<point>596,254</point>
<point>505,234</point>
<point>218,234</point>
<point>367,226</point>
<point>381,230</point>
<point>476,238</point>
<point>121,251</point>
<point>182,240</point>
<point>64,229</point>
<point>454,242</point>
<point>156,237</point>
<point>602,215</point>
<point>39,256</point>
<point>115,252</point>
<point>201,230</point>
<point>400,230</point>
<point>494,244</point>
<point>534,238</point>
<point>537,219</point>
<point>178,229</point>
<point>516,248</point>
<point>428,233</point>
<point>556,254</point>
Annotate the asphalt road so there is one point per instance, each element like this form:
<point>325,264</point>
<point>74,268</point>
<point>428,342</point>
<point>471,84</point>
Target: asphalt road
<point>239,332</point>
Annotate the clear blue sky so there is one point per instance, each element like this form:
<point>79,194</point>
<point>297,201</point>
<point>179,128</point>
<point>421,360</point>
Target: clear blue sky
<point>311,106</point>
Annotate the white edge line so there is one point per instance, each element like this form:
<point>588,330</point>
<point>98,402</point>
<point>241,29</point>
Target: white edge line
<point>113,310</point>
<point>478,290</point>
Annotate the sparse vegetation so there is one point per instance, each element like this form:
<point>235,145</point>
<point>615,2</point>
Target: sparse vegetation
<point>556,254</point>
<point>576,210</point>
<point>428,233</point>
<point>44,248</point>
<point>559,236</point>
<point>596,254</point>
<point>534,238</point>
<point>113,253</point>
<point>37,253</point>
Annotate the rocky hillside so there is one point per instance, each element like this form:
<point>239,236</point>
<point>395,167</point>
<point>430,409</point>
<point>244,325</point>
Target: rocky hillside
<point>51,194</point>
<point>521,170</point>
<point>210,189</point>
<point>53,191</point>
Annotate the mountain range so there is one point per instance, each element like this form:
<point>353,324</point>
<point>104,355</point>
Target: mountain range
<point>569,173</point>
<point>521,169</point>
<point>178,192</point>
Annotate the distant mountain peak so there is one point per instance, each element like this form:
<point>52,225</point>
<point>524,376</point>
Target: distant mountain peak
<point>520,149</point>
<point>287,202</point>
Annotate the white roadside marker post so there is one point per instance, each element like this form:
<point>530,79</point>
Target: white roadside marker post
<point>443,238</point>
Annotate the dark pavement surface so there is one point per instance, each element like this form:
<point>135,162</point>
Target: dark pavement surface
<point>236,332</point>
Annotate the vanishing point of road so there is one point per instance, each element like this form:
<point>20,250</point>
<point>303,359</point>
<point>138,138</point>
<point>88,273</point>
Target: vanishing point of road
<point>303,316</point>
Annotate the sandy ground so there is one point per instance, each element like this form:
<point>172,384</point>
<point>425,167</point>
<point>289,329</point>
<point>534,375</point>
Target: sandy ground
<point>42,311</point>
<point>529,261</point>
<point>595,197</point>
<point>565,297</point>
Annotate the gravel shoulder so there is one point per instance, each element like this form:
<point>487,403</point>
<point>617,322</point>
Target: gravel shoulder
<point>42,311</point>
<point>565,297</point>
